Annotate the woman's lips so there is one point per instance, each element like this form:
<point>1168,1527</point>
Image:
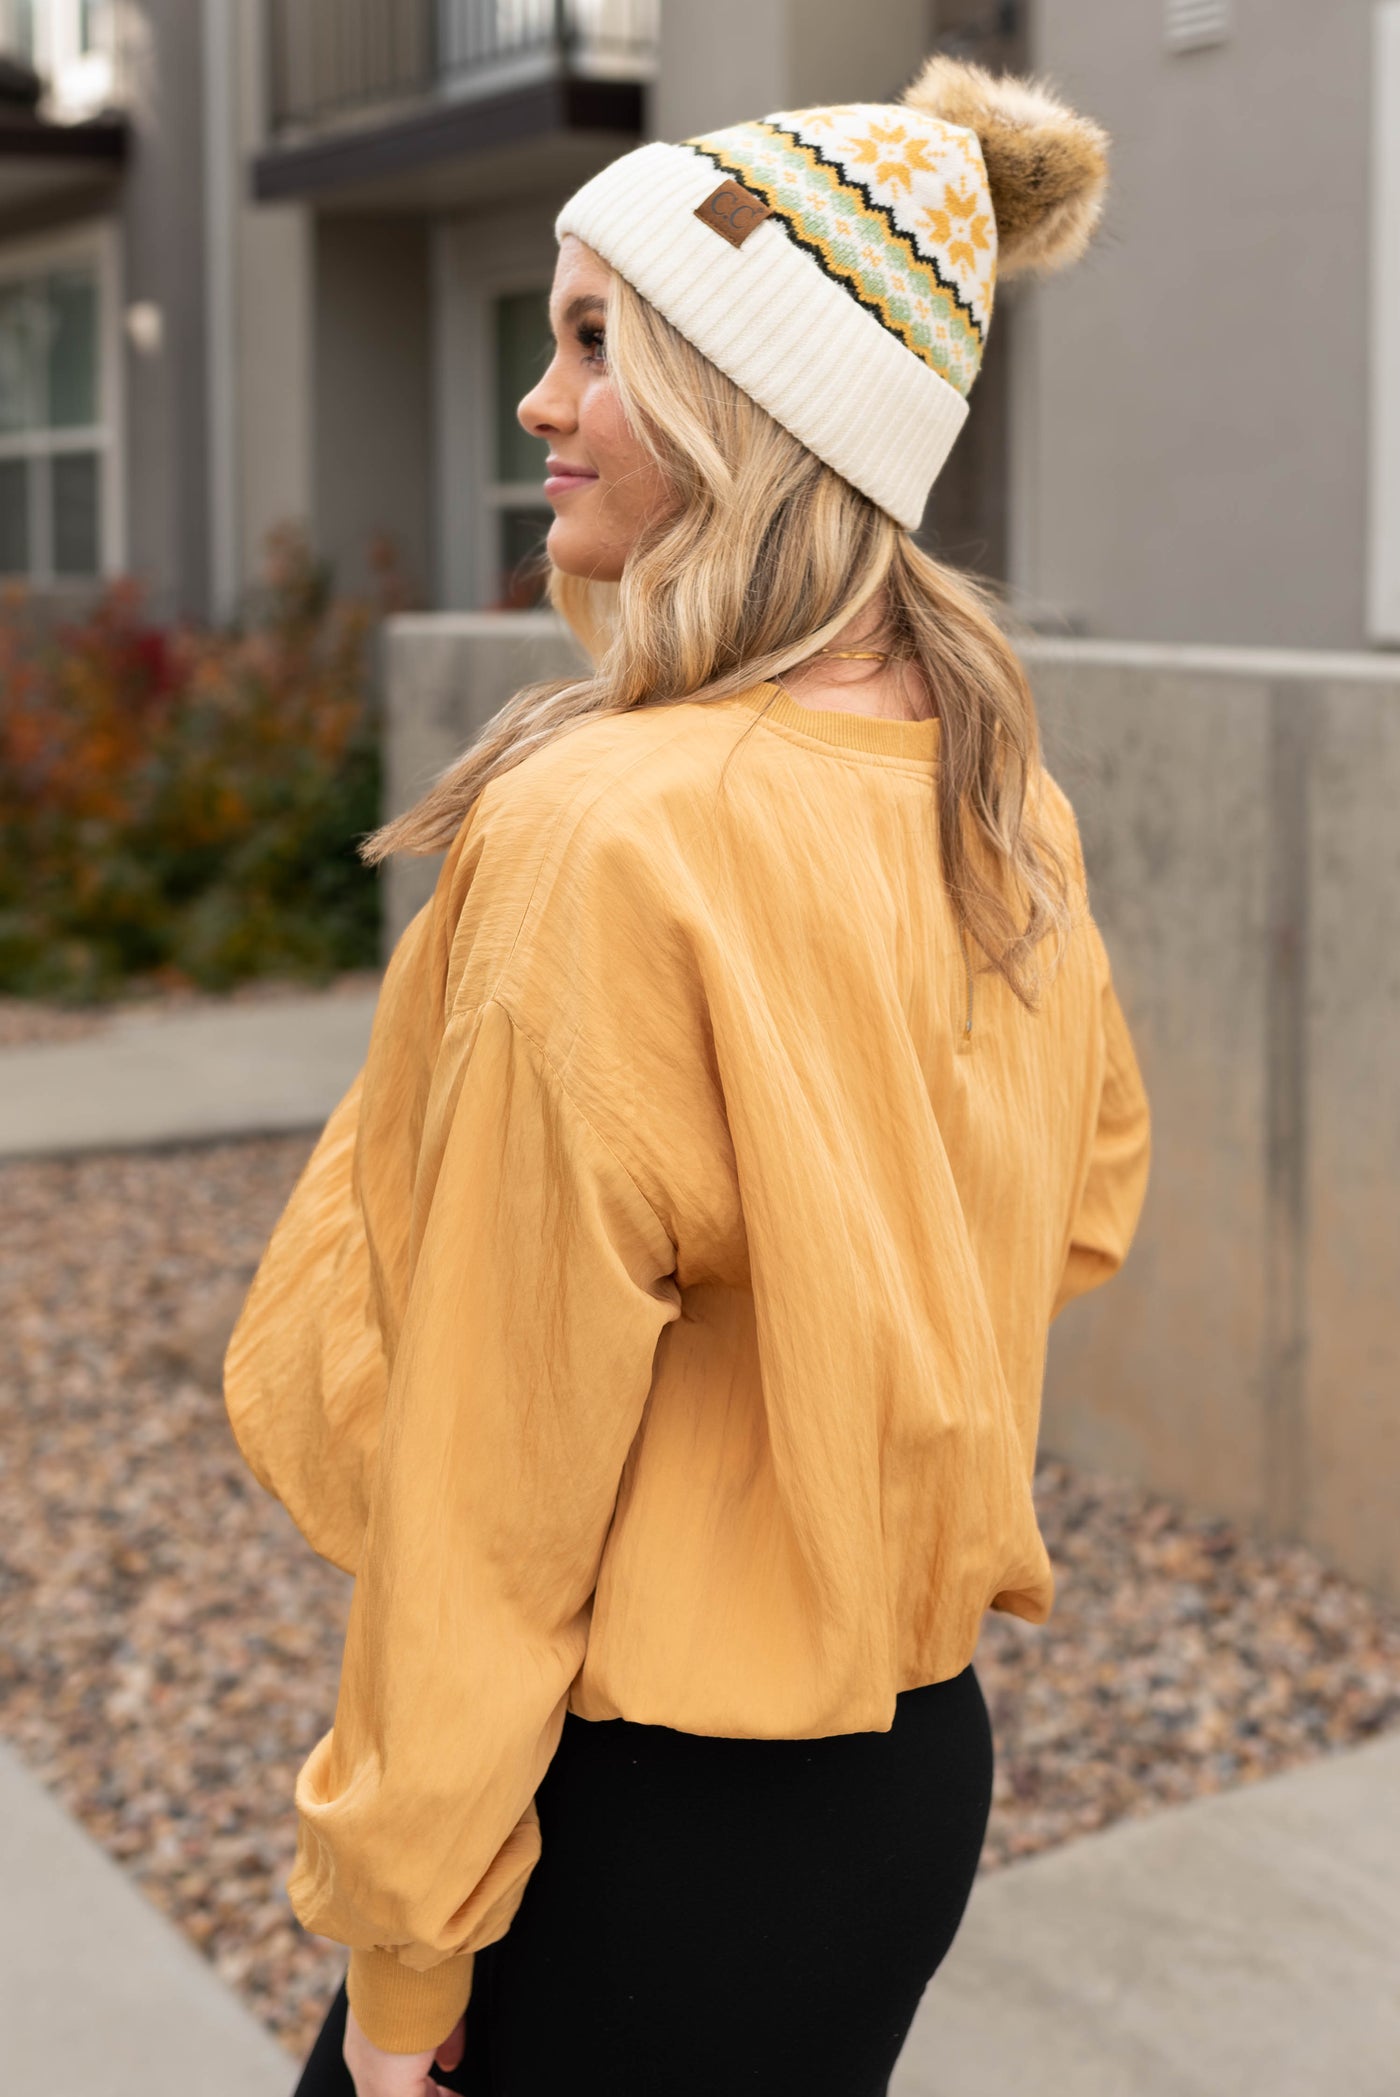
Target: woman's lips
<point>558,483</point>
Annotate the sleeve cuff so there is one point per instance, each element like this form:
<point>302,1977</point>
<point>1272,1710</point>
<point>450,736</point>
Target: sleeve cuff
<point>401,2010</point>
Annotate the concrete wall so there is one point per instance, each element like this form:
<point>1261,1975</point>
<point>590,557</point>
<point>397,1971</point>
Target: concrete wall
<point>442,676</point>
<point>1238,816</point>
<point>1191,420</point>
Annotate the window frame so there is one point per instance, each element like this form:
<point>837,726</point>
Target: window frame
<point>495,496</point>
<point>95,246</point>
<point>476,256</point>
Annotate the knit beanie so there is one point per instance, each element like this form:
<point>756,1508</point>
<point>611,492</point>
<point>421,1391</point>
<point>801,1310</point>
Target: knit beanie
<point>839,263</point>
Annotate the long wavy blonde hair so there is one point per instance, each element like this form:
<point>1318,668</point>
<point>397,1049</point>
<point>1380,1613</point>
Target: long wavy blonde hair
<point>764,555</point>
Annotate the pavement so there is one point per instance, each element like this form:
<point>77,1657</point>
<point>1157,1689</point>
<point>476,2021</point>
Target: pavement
<point>256,1069</point>
<point>100,1996</point>
<point>1243,1945</point>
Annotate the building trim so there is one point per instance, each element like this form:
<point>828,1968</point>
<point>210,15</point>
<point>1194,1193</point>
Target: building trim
<point>59,210</point>
<point>450,129</point>
<point>104,138</point>
<point>113,383</point>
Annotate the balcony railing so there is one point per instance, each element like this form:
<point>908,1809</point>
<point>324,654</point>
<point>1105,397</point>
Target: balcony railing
<point>334,59</point>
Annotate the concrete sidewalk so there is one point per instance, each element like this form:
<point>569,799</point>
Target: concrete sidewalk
<point>1244,1944</point>
<point>152,1078</point>
<point>100,1996</point>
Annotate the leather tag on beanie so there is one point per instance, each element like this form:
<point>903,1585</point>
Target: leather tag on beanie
<point>733,211</point>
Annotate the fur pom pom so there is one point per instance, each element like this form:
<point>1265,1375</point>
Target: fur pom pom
<point>1047,167</point>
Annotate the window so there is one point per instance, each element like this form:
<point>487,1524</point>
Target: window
<point>17,28</point>
<point>1192,24</point>
<point>53,436</point>
<point>518,514</point>
<point>71,44</point>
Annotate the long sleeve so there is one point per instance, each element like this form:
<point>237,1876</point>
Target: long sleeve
<point>541,1280</point>
<point>1115,1185</point>
<point>306,1372</point>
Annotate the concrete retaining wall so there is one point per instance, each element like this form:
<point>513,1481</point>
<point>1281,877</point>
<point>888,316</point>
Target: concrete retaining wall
<point>1239,816</point>
<point>443,675</point>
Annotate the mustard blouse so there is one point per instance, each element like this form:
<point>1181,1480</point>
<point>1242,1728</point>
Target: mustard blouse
<point>658,1327</point>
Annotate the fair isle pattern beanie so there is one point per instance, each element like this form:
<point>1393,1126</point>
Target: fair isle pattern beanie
<point>839,263</point>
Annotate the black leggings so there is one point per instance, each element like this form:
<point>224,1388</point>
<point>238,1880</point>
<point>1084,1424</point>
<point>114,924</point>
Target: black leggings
<point>712,1915</point>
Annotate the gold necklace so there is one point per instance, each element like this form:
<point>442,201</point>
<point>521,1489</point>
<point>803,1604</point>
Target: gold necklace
<point>881,653</point>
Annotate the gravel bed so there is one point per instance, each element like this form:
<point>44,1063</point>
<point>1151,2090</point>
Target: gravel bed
<point>169,1646</point>
<point>31,1023</point>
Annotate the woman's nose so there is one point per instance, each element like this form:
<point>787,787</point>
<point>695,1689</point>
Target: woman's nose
<point>544,409</point>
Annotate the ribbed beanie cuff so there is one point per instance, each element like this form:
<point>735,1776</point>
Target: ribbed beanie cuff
<point>792,336</point>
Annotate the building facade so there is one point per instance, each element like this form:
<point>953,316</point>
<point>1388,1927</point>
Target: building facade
<point>271,260</point>
<point>1206,441</point>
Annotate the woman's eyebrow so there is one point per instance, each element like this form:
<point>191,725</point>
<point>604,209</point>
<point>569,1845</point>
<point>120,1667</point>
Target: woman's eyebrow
<point>584,303</point>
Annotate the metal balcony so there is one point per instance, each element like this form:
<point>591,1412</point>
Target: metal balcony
<point>333,62</point>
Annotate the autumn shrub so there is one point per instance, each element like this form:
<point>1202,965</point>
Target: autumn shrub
<point>181,804</point>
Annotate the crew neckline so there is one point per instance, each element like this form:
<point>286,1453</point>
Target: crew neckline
<point>879,735</point>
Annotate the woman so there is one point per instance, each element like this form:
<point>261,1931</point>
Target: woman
<point>657,1329</point>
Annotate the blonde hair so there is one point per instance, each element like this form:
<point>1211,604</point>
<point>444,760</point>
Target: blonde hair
<point>763,557</point>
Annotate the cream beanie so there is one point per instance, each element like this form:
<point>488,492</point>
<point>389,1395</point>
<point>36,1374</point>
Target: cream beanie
<point>839,263</point>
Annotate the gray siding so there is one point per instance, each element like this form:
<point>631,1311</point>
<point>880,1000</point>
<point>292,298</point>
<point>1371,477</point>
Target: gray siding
<point>162,217</point>
<point>1191,450</point>
<point>372,441</point>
